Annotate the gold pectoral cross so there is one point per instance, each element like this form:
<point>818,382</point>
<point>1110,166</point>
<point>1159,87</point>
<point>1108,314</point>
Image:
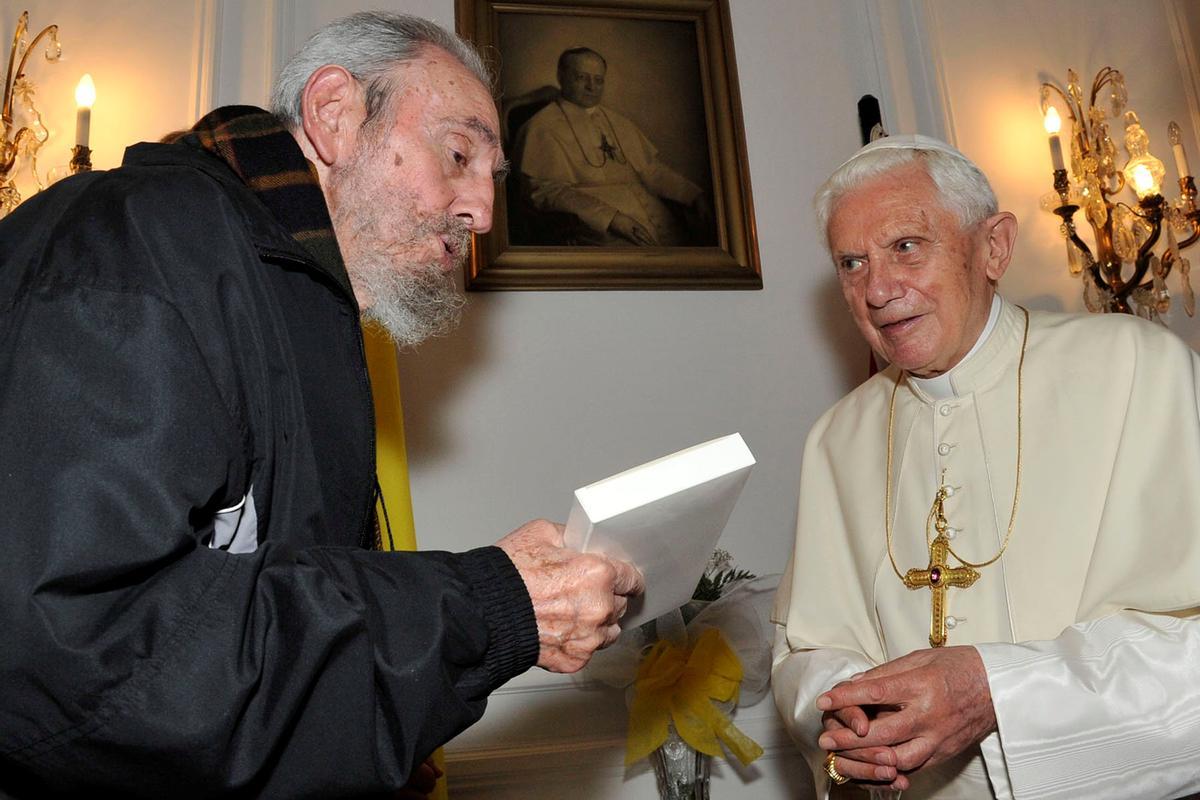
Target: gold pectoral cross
<point>610,150</point>
<point>939,575</point>
<point>607,148</point>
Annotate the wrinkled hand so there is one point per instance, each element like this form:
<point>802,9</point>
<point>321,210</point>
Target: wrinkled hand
<point>925,708</point>
<point>869,764</point>
<point>629,228</point>
<point>577,597</point>
<point>422,782</point>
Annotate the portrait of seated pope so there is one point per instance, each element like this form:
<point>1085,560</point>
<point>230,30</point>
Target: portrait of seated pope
<point>602,161</point>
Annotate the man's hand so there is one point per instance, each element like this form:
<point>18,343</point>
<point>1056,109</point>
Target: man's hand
<point>629,228</point>
<point>925,707</point>
<point>577,597</point>
<point>868,764</point>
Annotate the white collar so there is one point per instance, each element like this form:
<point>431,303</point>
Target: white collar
<point>576,111</point>
<point>941,387</point>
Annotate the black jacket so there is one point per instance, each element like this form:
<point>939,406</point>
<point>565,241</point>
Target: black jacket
<point>166,348</point>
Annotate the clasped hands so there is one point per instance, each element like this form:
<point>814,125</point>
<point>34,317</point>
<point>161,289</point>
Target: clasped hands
<point>578,598</point>
<point>915,711</point>
<point>629,228</point>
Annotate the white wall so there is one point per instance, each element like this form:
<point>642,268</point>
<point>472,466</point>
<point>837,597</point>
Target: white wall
<point>539,393</point>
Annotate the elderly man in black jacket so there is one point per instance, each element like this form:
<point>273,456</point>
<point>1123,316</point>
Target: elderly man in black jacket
<point>189,602</point>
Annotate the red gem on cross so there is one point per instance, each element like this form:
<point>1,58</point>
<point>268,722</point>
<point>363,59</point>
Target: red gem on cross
<point>935,576</point>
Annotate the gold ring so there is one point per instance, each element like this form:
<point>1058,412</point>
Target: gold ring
<point>832,772</point>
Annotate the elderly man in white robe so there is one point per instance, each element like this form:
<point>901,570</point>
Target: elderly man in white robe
<point>995,586</point>
<point>583,159</point>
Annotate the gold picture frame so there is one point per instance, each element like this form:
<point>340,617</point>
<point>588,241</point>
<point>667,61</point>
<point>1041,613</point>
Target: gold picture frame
<point>671,71</point>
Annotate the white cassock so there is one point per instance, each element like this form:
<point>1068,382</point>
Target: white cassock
<point>1089,625</point>
<point>594,163</point>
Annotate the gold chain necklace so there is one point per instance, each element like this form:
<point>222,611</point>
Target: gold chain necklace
<point>942,492</point>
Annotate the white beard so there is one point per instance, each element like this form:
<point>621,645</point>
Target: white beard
<point>412,305</point>
<point>384,246</point>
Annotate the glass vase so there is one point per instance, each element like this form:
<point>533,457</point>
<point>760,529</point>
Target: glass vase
<point>681,771</point>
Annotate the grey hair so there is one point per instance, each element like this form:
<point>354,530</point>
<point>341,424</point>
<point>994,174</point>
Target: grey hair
<point>369,44</point>
<point>962,187</point>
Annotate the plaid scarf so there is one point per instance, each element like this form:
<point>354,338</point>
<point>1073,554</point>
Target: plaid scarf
<point>266,157</point>
<point>264,154</point>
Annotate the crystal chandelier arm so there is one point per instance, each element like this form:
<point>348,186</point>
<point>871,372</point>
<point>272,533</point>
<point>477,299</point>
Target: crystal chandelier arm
<point>1050,87</point>
<point>22,23</point>
<point>1105,75</point>
<point>52,31</point>
<point>11,148</point>
<point>8,156</point>
<point>1187,205</point>
<point>1151,214</point>
<point>13,77</point>
<point>1073,235</point>
<point>21,136</point>
<point>1169,257</point>
<point>1119,176</point>
<point>1142,263</point>
<point>1195,225</point>
<point>1067,212</point>
<point>1168,261</point>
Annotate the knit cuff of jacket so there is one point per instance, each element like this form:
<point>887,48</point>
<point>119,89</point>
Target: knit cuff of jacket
<point>513,637</point>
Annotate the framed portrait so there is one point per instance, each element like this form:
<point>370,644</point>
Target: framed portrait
<point>623,125</point>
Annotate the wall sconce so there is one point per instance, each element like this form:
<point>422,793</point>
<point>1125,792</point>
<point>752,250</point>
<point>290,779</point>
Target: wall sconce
<point>1124,236</point>
<point>26,141</point>
<point>22,142</point>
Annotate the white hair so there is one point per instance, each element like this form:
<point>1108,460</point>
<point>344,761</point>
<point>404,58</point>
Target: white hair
<point>369,44</point>
<point>962,187</point>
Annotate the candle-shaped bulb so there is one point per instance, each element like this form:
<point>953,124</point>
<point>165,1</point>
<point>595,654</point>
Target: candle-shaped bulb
<point>85,92</point>
<point>1175,137</point>
<point>1052,121</point>
<point>1053,125</point>
<point>85,96</point>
